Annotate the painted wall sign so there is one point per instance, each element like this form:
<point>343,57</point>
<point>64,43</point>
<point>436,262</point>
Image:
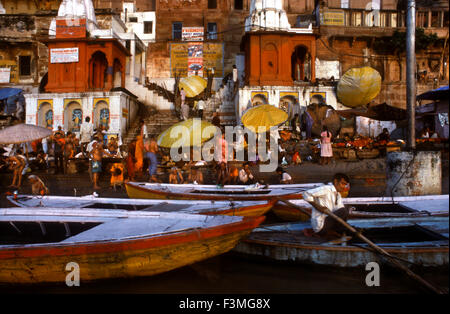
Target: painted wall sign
<point>212,58</point>
<point>13,70</point>
<point>332,17</point>
<point>5,75</point>
<point>179,59</point>
<point>70,28</point>
<point>192,33</point>
<point>64,55</point>
<point>114,123</point>
<point>195,58</point>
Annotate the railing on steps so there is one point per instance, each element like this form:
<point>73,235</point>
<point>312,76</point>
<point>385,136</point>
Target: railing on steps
<point>161,91</point>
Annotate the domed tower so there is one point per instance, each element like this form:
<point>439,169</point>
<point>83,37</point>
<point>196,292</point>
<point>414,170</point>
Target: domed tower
<point>267,15</point>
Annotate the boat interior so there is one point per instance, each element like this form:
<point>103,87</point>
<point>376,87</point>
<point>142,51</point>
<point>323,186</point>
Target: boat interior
<point>381,208</point>
<point>392,232</point>
<point>235,192</point>
<point>33,232</point>
<point>33,225</point>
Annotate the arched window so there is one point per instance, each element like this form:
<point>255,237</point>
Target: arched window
<point>117,73</point>
<point>301,64</point>
<point>101,114</point>
<point>45,115</point>
<point>259,99</point>
<point>73,116</point>
<point>98,66</point>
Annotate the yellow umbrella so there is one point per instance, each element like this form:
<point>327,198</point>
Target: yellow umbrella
<point>358,86</point>
<point>261,118</point>
<point>192,85</point>
<point>192,132</point>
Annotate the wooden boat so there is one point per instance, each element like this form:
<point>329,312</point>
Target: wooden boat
<point>205,207</point>
<point>375,207</point>
<point>211,192</point>
<point>421,241</point>
<point>36,244</point>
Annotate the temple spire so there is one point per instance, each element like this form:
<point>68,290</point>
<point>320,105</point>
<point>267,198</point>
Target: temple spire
<point>267,15</point>
<point>76,9</point>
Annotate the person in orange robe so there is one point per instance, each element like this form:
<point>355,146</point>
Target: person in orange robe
<point>139,153</point>
<point>131,160</point>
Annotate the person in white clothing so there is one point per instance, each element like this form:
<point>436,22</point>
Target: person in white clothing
<point>144,132</point>
<point>328,197</point>
<point>245,175</point>
<point>285,178</point>
<point>200,108</point>
<point>86,132</point>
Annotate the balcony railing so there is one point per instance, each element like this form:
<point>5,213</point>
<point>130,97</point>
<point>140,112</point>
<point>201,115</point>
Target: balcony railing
<point>382,18</point>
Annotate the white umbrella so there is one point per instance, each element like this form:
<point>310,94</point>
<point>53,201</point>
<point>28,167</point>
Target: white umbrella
<point>22,133</point>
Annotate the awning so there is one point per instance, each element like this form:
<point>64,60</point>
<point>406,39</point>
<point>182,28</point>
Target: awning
<point>8,91</point>
<point>436,94</point>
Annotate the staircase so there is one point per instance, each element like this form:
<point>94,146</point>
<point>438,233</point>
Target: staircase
<point>155,98</point>
<point>156,121</point>
<point>158,110</point>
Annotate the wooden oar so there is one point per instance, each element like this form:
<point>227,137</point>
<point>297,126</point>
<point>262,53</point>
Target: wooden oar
<point>301,209</point>
<point>379,250</point>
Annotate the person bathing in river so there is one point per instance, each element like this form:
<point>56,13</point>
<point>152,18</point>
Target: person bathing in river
<point>37,186</point>
<point>175,176</point>
<point>195,176</point>
<point>97,155</point>
<point>328,197</point>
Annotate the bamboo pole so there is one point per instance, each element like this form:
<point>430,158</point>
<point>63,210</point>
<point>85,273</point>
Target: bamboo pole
<point>379,250</point>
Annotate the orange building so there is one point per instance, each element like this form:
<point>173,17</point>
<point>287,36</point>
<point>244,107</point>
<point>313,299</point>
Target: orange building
<point>99,66</point>
<point>279,58</point>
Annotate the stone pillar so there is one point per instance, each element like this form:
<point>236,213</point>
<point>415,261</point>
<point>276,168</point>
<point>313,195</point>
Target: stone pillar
<point>413,173</point>
<point>109,77</point>
<point>132,58</point>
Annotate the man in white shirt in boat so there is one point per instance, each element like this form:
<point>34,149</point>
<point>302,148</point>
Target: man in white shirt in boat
<point>329,197</point>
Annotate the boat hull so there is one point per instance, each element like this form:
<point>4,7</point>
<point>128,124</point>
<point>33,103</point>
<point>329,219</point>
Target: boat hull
<point>135,191</point>
<point>420,241</point>
<point>120,259</point>
<point>245,209</point>
<point>339,256</point>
